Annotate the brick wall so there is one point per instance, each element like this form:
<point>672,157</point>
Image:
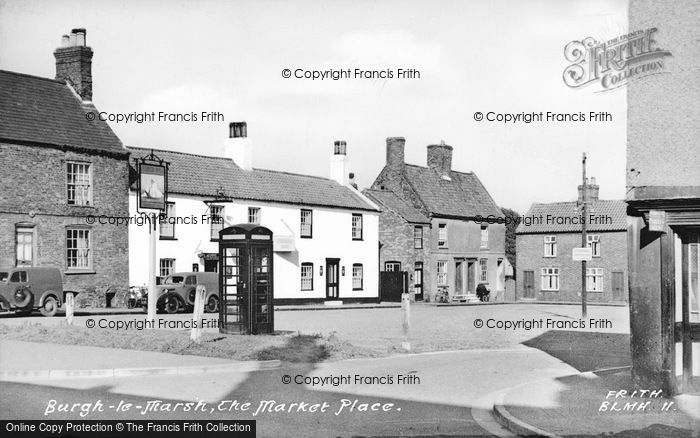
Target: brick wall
<point>33,191</point>
<point>396,238</point>
<point>530,257</point>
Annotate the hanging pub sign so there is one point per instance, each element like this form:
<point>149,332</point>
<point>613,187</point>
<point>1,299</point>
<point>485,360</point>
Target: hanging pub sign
<point>152,183</point>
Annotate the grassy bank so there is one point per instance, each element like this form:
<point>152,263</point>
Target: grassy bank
<point>289,347</point>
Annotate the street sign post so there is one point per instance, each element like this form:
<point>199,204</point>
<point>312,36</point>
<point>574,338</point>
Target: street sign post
<point>152,195</point>
<point>582,254</point>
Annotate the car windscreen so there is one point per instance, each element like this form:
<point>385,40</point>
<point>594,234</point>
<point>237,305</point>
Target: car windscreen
<point>3,277</point>
<point>174,279</point>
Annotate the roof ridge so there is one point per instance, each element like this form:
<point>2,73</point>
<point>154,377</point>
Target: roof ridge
<point>297,174</point>
<point>56,81</point>
<point>575,202</point>
<point>428,168</point>
<point>179,153</point>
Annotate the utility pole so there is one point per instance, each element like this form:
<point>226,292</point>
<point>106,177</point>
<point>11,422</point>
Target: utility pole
<point>583,237</point>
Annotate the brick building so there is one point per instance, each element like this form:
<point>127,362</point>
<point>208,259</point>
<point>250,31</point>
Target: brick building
<point>62,169</point>
<point>435,207</point>
<point>545,240</point>
<point>403,240</point>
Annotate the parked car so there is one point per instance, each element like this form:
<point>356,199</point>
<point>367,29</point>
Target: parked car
<point>177,292</point>
<point>24,289</point>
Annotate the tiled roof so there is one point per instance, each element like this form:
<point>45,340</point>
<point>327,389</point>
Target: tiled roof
<point>44,111</point>
<point>392,202</point>
<point>462,195</point>
<point>200,175</point>
<point>559,217</point>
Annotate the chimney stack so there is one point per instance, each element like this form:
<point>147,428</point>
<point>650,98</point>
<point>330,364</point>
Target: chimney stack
<point>339,162</point>
<point>74,63</point>
<point>592,190</point>
<point>238,147</point>
<point>395,153</point>
<point>440,158</point>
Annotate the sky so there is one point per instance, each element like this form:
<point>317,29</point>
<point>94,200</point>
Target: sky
<point>228,57</point>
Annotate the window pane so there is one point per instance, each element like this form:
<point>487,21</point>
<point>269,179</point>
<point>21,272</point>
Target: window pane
<point>357,276</point>
<point>216,217</point>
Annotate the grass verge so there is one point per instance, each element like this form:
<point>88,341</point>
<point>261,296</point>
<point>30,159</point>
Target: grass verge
<point>295,347</point>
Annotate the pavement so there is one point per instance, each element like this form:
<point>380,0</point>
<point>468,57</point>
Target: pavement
<point>555,401</point>
<point>594,404</point>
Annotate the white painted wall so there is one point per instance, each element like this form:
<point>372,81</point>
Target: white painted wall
<point>332,238</point>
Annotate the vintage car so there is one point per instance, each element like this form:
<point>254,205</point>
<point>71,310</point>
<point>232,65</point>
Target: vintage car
<point>24,289</point>
<point>177,292</point>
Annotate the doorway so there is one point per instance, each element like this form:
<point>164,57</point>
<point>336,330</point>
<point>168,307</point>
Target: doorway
<point>418,281</point>
<point>529,284</point>
<point>459,277</point>
<point>332,285</point>
<point>618,286</point>
<point>471,277</point>
<point>687,321</point>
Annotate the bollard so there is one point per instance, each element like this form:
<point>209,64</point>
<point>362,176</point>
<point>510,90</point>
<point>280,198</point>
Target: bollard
<point>198,313</point>
<point>70,305</point>
<point>406,310</point>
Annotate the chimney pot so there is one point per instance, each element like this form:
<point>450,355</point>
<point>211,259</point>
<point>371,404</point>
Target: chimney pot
<point>80,37</point>
<point>340,148</point>
<point>592,191</point>
<point>65,41</point>
<point>395,153</point>
<point>351,180</point>
<point>237,130</point>
<point>440,158</point>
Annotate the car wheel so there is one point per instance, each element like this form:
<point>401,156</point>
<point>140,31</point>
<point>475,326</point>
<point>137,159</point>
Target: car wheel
<point>191,296</point>
<point>212,304</point>
<point>50,307</point>
<point>172,305</point>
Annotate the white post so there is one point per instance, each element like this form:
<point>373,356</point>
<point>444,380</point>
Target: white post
<point>198,313</point>
<point>152,298</point>
<point>406,310</point>
<point>70,305</point>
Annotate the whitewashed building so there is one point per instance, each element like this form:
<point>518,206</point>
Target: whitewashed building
<point>325,231</point>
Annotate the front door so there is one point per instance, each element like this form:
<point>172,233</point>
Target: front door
<point>332,286</point>
<point>529,284</point>
<point>418,281</point>
<point>211,265</point>
<point>471,277</point>
<point>618,285</point>
<point>459,277</point>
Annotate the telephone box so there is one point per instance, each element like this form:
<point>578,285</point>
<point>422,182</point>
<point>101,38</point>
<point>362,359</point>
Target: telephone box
<point>246,280</point>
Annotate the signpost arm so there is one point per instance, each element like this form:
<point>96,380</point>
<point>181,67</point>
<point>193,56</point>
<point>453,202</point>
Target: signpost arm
<point>583,239</point>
